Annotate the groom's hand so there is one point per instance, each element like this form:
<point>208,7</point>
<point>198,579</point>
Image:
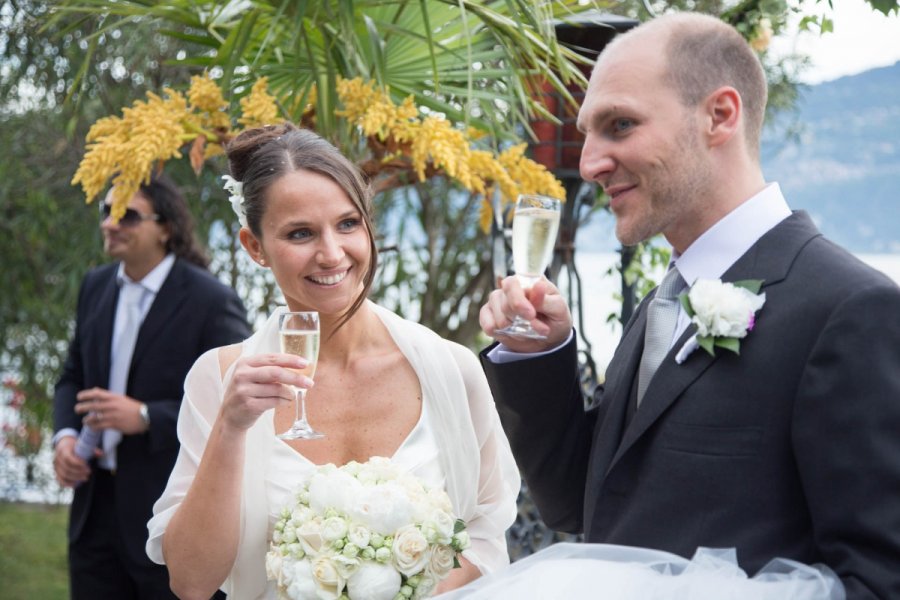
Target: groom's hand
<point>543,306</point>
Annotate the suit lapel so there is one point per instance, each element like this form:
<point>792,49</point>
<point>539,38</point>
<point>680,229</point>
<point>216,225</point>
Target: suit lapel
<point>769,259</point>
<point>169,298</point>
<point>106,315</point>
<point>617,391</point>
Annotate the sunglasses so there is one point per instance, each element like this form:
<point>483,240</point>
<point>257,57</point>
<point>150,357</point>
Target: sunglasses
<point>131,217</point>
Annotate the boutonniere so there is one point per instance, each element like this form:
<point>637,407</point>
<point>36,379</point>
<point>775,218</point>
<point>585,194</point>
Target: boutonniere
<point>723,312</point>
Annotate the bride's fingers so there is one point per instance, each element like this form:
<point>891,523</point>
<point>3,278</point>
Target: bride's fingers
<point>272,374</point>
<point>287,361</point>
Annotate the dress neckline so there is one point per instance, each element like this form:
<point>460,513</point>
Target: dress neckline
<point>406,440</point>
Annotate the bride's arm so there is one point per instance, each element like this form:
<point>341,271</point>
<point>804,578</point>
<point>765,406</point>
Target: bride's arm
<point>203,499</point>
<point>498,476</point>
<point>201,541</point>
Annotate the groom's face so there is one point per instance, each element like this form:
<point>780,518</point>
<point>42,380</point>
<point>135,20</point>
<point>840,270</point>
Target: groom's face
<point>642,145</point>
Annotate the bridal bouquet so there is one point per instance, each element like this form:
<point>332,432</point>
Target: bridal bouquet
<point>365,531</point>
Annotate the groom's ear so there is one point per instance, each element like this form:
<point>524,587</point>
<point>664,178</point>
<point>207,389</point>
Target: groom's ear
<point>723,112</point>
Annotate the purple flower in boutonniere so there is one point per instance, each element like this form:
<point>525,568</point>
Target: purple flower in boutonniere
<point>723,312</point>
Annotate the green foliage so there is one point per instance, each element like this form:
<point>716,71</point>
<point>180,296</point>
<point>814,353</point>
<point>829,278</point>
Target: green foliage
<point>33,563</point>
<point>435,259</point>
<point>48,238</point>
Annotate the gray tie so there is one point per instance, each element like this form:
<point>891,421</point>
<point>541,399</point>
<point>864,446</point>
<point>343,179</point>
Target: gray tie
<point>132,294</point>
<point>662,317</point>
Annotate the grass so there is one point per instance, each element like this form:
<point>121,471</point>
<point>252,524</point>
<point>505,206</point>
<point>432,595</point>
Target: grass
<point>33,556</point>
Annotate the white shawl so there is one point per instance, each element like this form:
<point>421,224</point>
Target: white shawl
<point>481,475</point>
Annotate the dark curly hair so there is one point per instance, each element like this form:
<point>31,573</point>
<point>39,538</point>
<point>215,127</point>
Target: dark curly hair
<point>169,203</point>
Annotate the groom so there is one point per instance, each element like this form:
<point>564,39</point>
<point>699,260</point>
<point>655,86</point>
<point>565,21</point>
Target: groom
<point>790,448</point>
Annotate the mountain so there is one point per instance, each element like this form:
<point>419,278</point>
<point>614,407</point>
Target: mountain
<point>841,163</point>
<point>844,165</point>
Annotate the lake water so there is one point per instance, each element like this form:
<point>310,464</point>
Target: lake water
<point>600,290</point>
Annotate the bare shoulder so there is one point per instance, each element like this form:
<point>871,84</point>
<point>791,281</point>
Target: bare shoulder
<point>227,356</point>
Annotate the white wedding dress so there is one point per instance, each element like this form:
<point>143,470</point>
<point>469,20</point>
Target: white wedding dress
<point>458,444</point>
<point>608,572</point>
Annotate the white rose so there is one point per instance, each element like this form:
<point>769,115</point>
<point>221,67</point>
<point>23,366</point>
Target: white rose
<point>310,535</point>
<point>334,529</point>
<point>425,587</point>
<point>410,550</point>
<point>358,535</point>
<point>374,581</point>
<point>328,581</point>
<point>461,540</point>
<point>273,567</point>
<point>440,561</point>
<point>723,309</point>
<point>345,565</point>
<point>301,580</point>
<point>438,527</point>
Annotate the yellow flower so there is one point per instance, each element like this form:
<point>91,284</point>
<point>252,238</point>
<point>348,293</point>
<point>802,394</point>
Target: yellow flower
<point>258,107</point>
<point>130,146</point>
<point>205,95</point>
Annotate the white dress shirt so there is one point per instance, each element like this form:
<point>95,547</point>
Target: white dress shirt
<point>151,284</point>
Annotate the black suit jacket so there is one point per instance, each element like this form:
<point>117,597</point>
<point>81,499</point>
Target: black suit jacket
<point>192,312</point>
<point>790,449</point>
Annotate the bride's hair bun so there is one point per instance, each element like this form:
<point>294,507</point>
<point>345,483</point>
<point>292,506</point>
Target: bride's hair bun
<point>241,149</point>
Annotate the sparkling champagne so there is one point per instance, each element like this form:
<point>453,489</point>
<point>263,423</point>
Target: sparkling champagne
<point>304,344</point>
<point>533,238</point>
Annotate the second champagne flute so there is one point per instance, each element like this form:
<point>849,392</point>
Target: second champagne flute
<point>299,334</point>
<point>535,224</point>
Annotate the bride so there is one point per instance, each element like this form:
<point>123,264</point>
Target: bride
<point>383,387</point>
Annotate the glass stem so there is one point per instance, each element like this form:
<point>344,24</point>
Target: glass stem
<point>300,406</point>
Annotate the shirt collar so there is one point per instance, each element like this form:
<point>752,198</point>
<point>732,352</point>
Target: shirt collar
<point>724,243</point>
<point>154,279</point>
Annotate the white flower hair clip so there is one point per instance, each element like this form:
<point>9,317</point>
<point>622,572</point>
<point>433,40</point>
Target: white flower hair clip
<point>236,189</point>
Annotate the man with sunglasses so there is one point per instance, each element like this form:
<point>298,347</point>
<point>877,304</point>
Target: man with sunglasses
<point>141,323</point>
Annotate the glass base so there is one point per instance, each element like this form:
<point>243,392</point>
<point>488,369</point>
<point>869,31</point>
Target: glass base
<point>300,430</point>
<point>520,328</point>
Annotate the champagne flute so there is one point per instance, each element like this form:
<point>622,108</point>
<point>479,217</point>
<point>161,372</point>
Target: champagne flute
<point>299,335</point>
<point>535,225</point>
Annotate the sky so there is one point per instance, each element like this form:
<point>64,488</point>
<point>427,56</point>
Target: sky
<point>862,39</point>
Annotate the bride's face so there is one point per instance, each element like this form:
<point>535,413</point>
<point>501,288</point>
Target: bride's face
<point>315,241</point>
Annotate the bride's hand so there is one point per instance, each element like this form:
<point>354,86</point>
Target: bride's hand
<point>258,384</point>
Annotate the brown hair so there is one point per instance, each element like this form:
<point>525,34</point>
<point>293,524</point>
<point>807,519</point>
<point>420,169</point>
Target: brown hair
<point>259,157</point>
<point>704,53</point>
<point>169,203</point>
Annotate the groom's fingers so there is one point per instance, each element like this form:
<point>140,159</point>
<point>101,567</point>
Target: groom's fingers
<point>516,299</point>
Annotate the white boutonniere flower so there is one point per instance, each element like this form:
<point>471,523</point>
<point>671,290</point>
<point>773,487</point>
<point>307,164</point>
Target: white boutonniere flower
<point>723,312</point>
<point>236,189</point>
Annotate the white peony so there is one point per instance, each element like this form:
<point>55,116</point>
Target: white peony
<point>335,490</point>
<point>355,532</point>
<point>382,509</point>
<point>374,581</point>
<point>301,585</point>
<point>410,550</point>
<point>723,309</point>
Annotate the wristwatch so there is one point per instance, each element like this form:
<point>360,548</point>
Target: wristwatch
<point>145,414</point>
